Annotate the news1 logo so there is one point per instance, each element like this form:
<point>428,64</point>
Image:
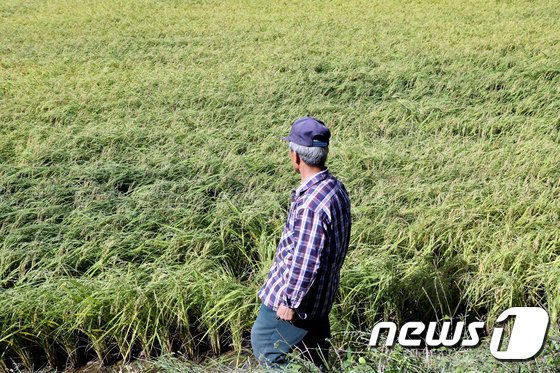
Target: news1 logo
<point>525,341</point>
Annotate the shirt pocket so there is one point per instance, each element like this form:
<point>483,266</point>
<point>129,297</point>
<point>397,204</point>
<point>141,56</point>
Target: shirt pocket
<point>288,238</point>
<point>291,217</point>
<point>286,246</point>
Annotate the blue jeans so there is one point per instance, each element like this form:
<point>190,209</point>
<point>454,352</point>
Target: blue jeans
<point>272,339</point>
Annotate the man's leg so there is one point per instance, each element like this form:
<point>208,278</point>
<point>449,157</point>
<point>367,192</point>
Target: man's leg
<point>315,345</point>
<point>273,339</point>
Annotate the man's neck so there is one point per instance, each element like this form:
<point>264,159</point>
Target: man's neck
<point>308,172</point>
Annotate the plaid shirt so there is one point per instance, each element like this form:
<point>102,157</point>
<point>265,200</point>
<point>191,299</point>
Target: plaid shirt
<point>306,270</point>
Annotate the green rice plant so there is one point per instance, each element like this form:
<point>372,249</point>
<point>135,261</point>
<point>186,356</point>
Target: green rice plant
<point>143,185</point>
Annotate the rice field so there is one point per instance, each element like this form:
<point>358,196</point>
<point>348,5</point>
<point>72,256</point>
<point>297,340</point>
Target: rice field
<point>143,185</point>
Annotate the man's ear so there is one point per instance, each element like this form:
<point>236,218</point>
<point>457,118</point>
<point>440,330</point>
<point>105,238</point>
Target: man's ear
<point>297,158</point>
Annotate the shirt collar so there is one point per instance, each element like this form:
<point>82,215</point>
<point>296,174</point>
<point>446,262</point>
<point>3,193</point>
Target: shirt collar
<point>315,179</point>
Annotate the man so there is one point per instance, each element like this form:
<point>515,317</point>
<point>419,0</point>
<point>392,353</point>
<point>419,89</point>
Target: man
<point>301,285</point>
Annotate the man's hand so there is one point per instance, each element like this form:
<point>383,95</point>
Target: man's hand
<point>286,313</point>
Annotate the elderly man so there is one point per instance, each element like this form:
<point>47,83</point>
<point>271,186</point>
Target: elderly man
<point>301,285</point>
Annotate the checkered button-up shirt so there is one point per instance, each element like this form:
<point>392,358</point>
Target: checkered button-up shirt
<point>305,273</point>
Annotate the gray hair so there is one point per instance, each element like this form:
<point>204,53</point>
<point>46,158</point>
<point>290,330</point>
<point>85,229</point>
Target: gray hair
<point>311,155</point>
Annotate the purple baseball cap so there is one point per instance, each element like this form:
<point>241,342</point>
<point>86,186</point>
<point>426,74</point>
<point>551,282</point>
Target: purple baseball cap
<point>309,131</point>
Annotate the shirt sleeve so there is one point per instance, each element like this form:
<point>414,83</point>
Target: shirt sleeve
<point>309,235</point>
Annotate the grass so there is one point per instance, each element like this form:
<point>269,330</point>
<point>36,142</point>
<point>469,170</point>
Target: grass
<point>143,186</point>
<point>386,360</point>
<point>350,359</point>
